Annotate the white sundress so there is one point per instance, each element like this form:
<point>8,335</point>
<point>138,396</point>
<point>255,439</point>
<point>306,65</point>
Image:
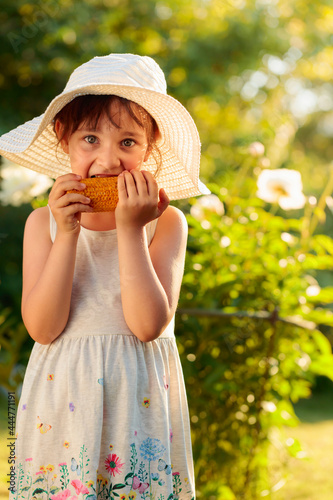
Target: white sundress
<point>103,415</point>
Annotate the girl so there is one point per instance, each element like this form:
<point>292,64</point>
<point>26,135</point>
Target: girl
<point>103,411</point>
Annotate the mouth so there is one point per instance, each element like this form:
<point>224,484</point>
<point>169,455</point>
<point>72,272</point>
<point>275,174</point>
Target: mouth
<point>103,175</point>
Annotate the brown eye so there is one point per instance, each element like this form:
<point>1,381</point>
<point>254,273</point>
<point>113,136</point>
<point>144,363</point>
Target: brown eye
<point>128,142</point>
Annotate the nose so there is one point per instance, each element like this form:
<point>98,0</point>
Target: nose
<point>107,158</point>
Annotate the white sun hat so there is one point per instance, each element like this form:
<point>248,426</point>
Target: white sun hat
<point>136,78</point>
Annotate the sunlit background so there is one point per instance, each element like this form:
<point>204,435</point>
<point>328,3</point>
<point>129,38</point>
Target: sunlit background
<point>254,324</point>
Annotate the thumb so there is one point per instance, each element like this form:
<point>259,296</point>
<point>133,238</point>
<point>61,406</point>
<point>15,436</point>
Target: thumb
<point>163,203</point>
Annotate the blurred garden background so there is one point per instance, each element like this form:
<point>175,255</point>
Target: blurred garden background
<point>254,325</point>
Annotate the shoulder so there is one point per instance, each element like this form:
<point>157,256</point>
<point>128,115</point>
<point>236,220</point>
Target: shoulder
<point>172,220</point>
<point>38,221</point>
<point>171,231</point>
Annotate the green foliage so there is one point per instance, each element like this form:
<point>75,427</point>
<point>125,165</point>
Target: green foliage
<point>15,344</point>
<point>248,336</point>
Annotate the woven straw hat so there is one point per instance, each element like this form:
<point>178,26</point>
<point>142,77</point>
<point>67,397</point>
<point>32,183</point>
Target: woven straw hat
<point>139,79</point>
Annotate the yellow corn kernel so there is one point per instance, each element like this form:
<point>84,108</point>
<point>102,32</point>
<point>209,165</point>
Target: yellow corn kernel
<point>102,191</point>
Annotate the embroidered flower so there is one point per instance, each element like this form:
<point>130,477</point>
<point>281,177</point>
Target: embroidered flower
<point>63,464</point>
<point>165,382</point>
<point>42,470</point>
<point>123,497</point>
<point>90,483</point>
<point>146,403</point>
<point>132,495</point>
<point>152,449</point>
<point>79,487</point>
<point>28,459</point>
<point>50,376</point>
<point>63,495</point>
<point>50,468</point>
<point>111,446</point>
<point>66,444</point>
<point>113,464</point>
<point>71,406</point>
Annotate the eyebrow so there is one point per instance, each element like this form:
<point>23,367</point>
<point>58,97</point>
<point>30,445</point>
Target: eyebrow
<point>123,132</point>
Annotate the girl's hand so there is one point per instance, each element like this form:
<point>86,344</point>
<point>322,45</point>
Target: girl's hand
<point>67,207</point>
<point>140,201</point>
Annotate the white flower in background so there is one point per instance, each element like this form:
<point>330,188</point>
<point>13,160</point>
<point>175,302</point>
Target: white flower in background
<point>210,202</point>
<point>282,186</point>
<point>20,185</point>
<point>256,149</point>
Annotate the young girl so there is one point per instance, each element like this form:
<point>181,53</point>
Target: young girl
<point>103,411</point>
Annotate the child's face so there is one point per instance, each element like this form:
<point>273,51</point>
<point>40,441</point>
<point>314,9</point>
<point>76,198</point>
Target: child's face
<point>107,150</point>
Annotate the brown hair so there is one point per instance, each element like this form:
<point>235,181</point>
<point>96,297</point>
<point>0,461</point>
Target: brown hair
<point>90,108</point>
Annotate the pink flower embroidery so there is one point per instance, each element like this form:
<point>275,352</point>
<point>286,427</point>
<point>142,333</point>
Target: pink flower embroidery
<point>113,464</point>
<point>79,487</point>
<point>63,495</point>
<point>28,459</point>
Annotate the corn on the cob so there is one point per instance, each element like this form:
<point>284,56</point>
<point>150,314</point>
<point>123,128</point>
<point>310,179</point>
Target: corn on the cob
<point>102,192</point>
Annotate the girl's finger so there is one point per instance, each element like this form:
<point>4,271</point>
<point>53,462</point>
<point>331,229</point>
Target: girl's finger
<point>130,183</point>
<point>140,182</point>
<point>122,191</point>
<point>70,198</point>
<point>151,183</point>
<point>164,201</point>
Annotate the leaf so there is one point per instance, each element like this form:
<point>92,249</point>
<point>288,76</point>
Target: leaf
<point>118,486</point>
<point>39,479</point>
<point>38,491</point>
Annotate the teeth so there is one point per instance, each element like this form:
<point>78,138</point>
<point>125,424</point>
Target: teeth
<point>102,175</point>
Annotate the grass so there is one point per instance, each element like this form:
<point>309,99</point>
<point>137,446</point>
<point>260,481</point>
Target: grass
<point>309,478</point>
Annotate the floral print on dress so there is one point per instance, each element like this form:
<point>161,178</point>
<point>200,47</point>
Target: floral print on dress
<point>43,428</point>
<point>143,478</point>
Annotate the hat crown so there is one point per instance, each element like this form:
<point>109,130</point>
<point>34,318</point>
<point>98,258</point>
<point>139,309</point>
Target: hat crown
<point>119,69</point>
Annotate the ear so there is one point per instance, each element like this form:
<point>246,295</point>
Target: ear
<point>58,127</point>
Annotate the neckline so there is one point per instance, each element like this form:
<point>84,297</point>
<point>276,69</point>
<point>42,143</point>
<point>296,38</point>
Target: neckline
<point>93,231</point>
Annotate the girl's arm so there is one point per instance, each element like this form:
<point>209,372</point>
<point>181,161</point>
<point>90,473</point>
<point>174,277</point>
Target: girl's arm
<point>48,267</point>
<point>150,277</point>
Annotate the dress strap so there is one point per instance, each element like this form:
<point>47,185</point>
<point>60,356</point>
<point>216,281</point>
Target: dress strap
<point>53,225</point>
<point>150,229</point>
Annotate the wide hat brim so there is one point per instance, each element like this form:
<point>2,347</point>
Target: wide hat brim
<point>35,146</point>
